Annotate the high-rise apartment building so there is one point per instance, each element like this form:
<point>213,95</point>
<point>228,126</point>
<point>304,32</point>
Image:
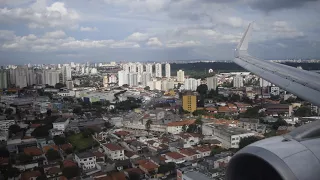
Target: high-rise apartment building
<point>191,84</point>
<point>21,77</point>
<point>149,69</point>
<point>126,68</point>
<point>180,76</point>
<point>238,81</point>
<point>168,70</point>
<point>159,70</point>
<point>133,67</point>
<point>3,79</point>
<point>69,84</point>
<point>264,83</point>
<point>112,78</point>
<point>66,73</point>
<point>139,68</point>
<point>31,77</point>
<point>133,79</point>
<point>51,77</point>
<point>122,78</point>
<point>212,83</point>
<point>145,78</point>
<point>189,103</point>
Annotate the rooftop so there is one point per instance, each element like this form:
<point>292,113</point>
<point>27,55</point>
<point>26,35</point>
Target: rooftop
<point>113,147</point>
<point>197,175</point>
<point>30,174</point>
<point>32,151</point>
<point>181,123</point>
<point>175,155</point>
<point>230,131</point>
<point>149,166</point>
<point>85,154</point>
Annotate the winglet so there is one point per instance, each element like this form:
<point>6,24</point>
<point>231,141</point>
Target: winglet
<point>243,45</point>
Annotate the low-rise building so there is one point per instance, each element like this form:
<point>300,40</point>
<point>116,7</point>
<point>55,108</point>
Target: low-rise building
<point>61,124</point>
<point>55,132</point>
<point>189,139</point>
<point>5,124</point>
<point>176,127</point>
<point>113,151</point>
<point>279,109</point>
<point>175,157</point>
<point>85,160</point>
<point>231,136</point>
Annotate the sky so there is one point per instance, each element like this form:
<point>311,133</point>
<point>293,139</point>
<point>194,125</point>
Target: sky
<point>48,31</point>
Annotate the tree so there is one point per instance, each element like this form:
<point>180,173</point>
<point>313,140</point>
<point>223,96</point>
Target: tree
<point>235,98</point>
<point>134,176</point>
<point>13,172</point>
<point>52,155</point>
<point>199,112</point>
<point>251,112</point>
<point>59,86</point>
<point>87,132</point>
<point>42,177</point>
<point>212,93</point>
<point>303,111</point>
<point>202,89</point>
<point>58,140</point>
<point>8,111</point>
<point>148,125</point>
<point>147,88</point>
<point>77,110</point>
<point>42,131</point>
<point>14,129</point>
<point>216,150</point>
<point>247,140</point>
<point>4,152</point>
<point>278,123</point>
<point>71,172</point>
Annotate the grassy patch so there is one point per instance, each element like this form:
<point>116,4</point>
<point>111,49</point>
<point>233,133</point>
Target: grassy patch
<point>79,142</point>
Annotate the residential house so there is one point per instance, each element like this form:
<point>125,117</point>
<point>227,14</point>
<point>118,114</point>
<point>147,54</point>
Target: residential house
<point>55,132</point>
<point>148,167</point>
<point>130,155</point>
<point>35,152</point>
<point>203,150</point>
<point>100,156</point>
<point>189,139</point>
<point>61,124</point>
<point>190,154</point>
<point>30,175</point>
<point>123,164</point>
<point>175,157</point>
<point>279,109</point>
<point>53,173</point>
<point>136,146</point>
<point>85,160</point>
<point>176,127</point>
<point>113,151</point>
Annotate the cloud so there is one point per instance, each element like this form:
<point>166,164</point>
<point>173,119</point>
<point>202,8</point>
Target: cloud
<point>57,40</point>
<point>272,5</point>
<point>154,41</point>
<point>88,29</point>
<point>137,36</point>
<point>57,15</point>
<point>177,44</point>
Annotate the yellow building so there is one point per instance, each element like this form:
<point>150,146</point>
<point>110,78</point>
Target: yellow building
<point>189,103</point>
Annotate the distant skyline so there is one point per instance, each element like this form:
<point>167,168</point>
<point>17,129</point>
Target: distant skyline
<point>47,31</point>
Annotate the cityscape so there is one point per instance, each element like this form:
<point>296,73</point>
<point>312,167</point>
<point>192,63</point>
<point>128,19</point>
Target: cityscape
<point>159,90</point>
<point>135,120</point>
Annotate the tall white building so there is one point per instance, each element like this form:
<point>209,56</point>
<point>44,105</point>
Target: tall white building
<point>158,70</point>
<point>212,82</point>
<point>146,77</point>
<point>149,69</point>
<point>21,74</point>
<point>164,85</point>
<point>66,73</point>
<point>168,70</point>
<point>264,83</point>
<point>238,81</point>
<point>126,68</point>
<point>122,78</point>
<point>180,76</point>
<point>3,79</point>
<point>105,81</point>
<point>191,84</point>
<point>140,68</point>
<point>51,77</point>
<point>31,77</point>
<point>133,79</point>
<point>133,67</point>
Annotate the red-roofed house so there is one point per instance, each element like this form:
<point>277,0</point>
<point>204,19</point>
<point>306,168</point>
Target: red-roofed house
<point>113,151</point>
<point>30,175</point>
<point>35,152</point>
<point>149,167</point>
<point>69,163</point>
<point>203,150</point>
<point>53,173</point>
<point>100,156</point>
<point>190,154</point>
<point>175,157</point>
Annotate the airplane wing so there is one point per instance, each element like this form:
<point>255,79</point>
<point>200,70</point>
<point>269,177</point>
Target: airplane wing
<point>302,83</point>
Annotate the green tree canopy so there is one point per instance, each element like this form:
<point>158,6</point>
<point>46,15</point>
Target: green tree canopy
<point>59,140</point>
<point>71,172</point>
<point>52,155</point>
<point>13,172</point>
<point>278,123</point>
<point>202,89</point>
<point>303,111</point>
<point>14,129</point>
<point>59,86</point>
<point>42,131</point>
<point>247,140</point>
<point>147,88</point>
